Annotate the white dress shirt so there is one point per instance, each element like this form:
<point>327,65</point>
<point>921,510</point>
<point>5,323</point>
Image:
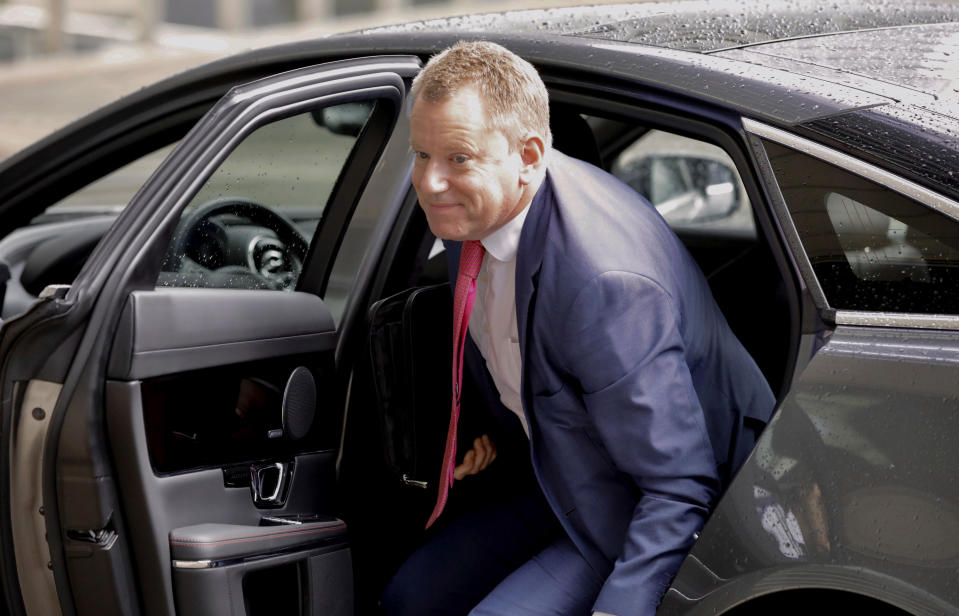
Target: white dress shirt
<point>493,320</point>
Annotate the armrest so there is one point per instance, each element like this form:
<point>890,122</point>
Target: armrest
<point>217,542</point>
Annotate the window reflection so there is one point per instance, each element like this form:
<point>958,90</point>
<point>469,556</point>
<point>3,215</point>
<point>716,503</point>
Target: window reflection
<point>870,247</point>
<point>250,225</point>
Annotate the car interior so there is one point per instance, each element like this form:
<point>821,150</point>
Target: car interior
<point>302,443</point>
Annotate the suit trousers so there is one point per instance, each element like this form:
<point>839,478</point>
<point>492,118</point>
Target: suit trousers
<point>504,558</point>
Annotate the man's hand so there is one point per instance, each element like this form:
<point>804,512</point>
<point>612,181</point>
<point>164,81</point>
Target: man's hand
<point>477,458</point>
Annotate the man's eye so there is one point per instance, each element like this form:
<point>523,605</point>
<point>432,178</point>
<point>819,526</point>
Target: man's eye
<point>459,159</point>
<point>421,155</point>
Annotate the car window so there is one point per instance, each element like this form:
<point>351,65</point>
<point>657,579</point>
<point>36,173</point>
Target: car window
<point>250,225</point>
<point>870,247</point>
<point>109,194</point>
<point>693,184</point>
<point>666,179</point>
<point>349,258</point>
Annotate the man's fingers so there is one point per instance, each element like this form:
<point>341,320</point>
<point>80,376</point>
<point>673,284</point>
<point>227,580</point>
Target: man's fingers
<point>477,458</point>
<point>485,450</point>
<point>479,447</point>
<point>467,467</point>
<point>490,451</point>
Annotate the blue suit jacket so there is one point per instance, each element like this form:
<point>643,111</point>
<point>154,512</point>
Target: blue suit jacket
<point>634,387</point>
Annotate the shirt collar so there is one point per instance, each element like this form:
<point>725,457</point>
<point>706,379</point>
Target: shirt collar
<point>503,243</point>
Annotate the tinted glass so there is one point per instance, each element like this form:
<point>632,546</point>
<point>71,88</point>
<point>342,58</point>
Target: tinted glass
<point>693,184</point>
<point>870,247</point>
<point>666,181</point>
<point>109,194</point>
<point>250,225</point>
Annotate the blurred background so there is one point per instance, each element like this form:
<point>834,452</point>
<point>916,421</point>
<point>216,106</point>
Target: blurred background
<point>60,59</point>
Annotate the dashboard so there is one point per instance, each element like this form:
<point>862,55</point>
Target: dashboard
<point>220,249</point>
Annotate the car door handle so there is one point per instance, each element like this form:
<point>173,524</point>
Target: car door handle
<point>270,483</point>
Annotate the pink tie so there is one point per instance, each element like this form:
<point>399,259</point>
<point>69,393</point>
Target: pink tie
<point>471,257</point>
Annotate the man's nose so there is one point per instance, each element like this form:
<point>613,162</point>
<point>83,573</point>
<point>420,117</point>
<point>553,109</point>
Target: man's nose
<point>433,179</point>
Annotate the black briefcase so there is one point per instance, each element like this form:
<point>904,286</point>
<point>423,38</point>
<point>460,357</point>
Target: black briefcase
<point>410,343</point>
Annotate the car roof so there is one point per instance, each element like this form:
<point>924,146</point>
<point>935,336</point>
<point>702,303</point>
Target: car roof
<point>702,25</point>
<point>886,71</point>
<point>842,41</point>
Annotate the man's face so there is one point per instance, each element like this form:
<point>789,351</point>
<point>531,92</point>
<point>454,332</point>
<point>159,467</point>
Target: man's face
<point>466,176</point>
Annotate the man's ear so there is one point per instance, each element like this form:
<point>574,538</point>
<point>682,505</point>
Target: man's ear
<point>532,151</point>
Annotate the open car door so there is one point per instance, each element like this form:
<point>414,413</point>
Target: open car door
<point>171,420</point>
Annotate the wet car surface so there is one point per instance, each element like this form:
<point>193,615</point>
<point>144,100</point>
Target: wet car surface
<point>807,168</point>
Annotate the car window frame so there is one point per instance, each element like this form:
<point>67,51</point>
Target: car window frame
<point>345,192</point>
<point>850,164</point>
<point>347,189</point>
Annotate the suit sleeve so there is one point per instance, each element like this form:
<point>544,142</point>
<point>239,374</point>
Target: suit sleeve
<point>625,350</point>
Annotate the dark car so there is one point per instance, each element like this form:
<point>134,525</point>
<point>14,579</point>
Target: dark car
<point>202,412</point>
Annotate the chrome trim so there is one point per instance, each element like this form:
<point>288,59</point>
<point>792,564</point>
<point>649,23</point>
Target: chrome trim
<point>281,521</point>
<point>787,227</point>
<point>251,250</point>
<point>296,268</point>
<point>850,163</point>
<point>325,543</point>
<point>894,319</point>
<point>194,564</point>
<point>260,479</point>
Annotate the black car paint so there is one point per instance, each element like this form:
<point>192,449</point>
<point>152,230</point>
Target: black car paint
<point>925,142</point>
<point>881,532</point>
<point>702,26</point>
<point>716,81</point>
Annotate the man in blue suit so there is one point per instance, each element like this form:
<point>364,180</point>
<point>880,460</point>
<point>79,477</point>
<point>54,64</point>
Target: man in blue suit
<point>601,338</point>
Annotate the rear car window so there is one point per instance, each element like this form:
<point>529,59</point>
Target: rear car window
<point>871,248</point>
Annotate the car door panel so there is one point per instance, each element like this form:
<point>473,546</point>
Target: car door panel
<point>201,591</point>
<point>174,330</point>
<point>831,494</point>
<point>176,338</point>
<point>160,504</point>
<point>144,438</point>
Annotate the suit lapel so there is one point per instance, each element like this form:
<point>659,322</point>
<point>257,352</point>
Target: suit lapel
<point>529,260</point>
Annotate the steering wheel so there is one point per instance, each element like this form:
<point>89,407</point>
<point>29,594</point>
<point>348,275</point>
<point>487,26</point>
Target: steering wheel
<point>275,261</point>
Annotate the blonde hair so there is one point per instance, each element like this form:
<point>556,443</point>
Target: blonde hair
<point>513,94</point>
